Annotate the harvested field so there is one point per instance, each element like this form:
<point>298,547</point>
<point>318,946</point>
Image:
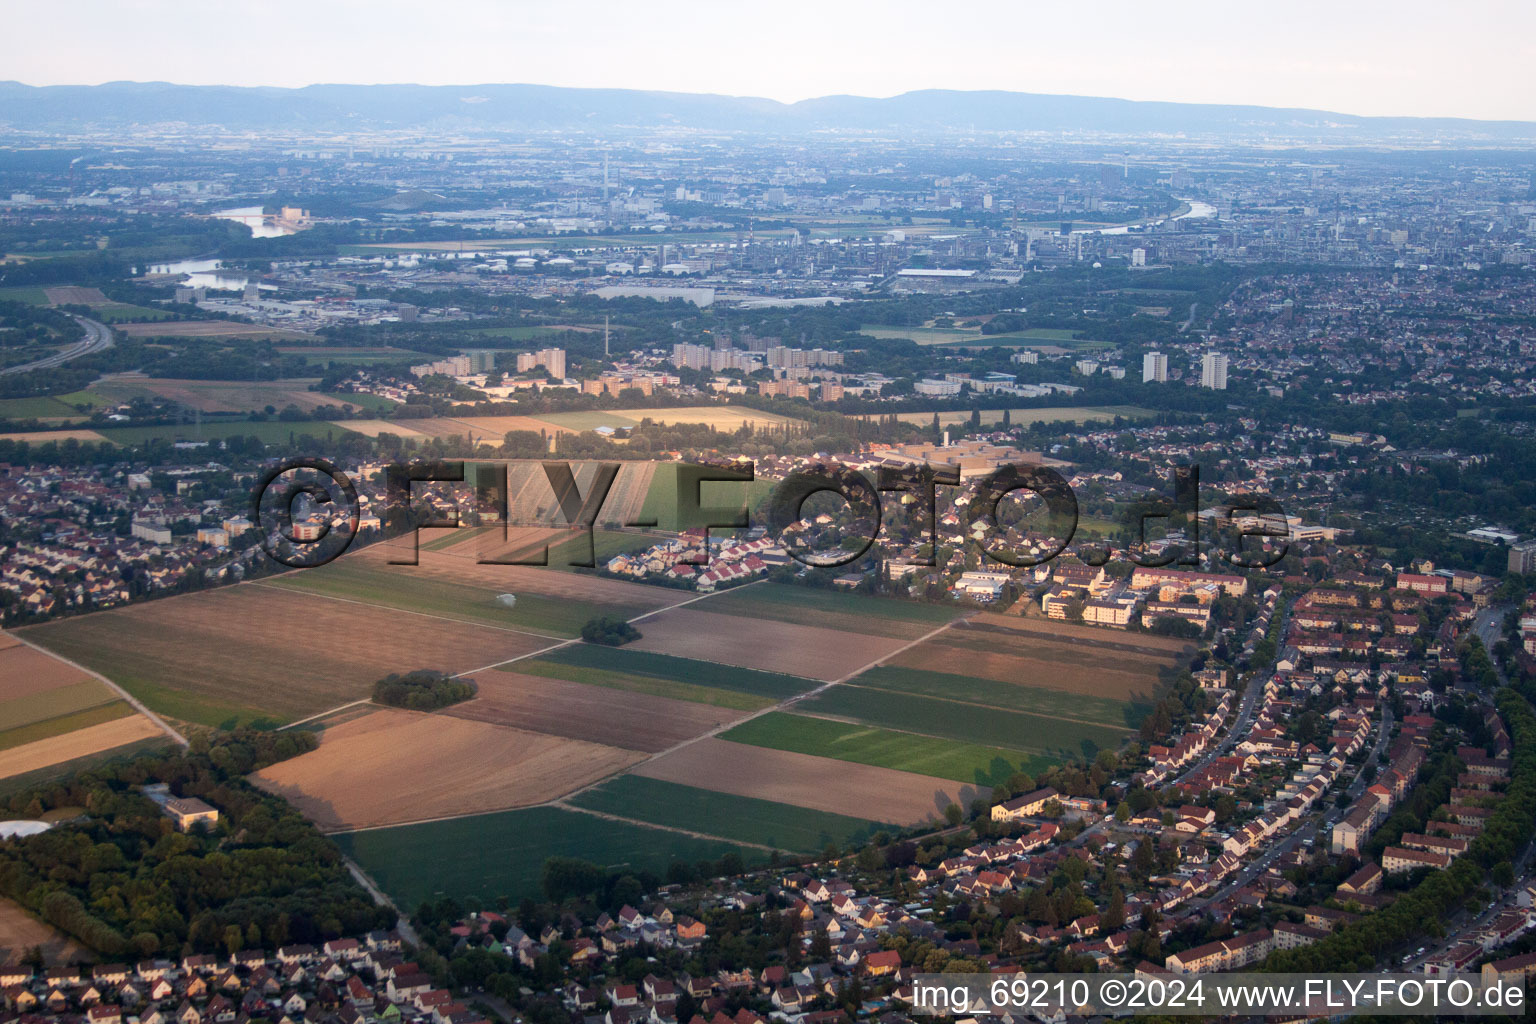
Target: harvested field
<point>25,671</point>
<point>46,728</point>
<point>1039,663</point>
<point>441,427</point>
<point>1104,664</point>
<point>373,428</point>
<point>93,739</point>
<point>616,718</point>
<point>44,436</point>
<point>394,766</point>
<point>63,699</point>
<point>20,931</point>
<point>212,329</point>
<point>73,295</point>
<point>721,417</point>
<point>808,651</point>
<point>258,651</point>
<point>857,790</point>
<point>494,428</point>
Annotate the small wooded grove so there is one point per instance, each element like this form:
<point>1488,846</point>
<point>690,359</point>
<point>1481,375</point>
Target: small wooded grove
<point>422,690</point>
<point>121,879</point>
<point>606,629</point>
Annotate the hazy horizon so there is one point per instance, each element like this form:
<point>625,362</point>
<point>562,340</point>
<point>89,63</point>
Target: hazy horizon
<point>1369,59</point>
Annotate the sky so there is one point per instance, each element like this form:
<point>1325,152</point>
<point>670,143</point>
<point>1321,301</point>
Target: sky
<point>1408,57</point>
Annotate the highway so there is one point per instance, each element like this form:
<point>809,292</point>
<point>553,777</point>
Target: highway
<point>97,339</point>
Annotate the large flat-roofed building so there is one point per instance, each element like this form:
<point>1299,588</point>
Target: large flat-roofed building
<point>1026,806</point>
<point>188,812</point>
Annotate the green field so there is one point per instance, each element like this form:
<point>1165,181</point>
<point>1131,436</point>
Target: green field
<point>48,728</point>
<point>61,700</point>
<point>833,609</point>
<point>368,403</point>
<point>664,675</point>
<point>384,586</point>
<point>886,748</point>
<point>122,312</point>
<point>269,431</point>
<point>1020,696</point>
<point>661,504</point>
<point>30,294</point>
<point>588,420</point>
<point>948,719</point>
<point>489,855</point>
<point>744,819</point>
<point>605,545</point>
<point>49,407</point>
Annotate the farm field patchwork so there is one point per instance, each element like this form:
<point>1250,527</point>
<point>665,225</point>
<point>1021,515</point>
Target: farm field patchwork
<point>373,428</point>
<point>766,644</point>
<point>903,751</point>
<point>503,854</point>
<point>1092,636</point>
<point>661,501</point>
<point>61,724</point>
<point>53,408</point>
<point>292,655</point>
<point>833,609</point>
<point>1028,692</point>
<point>459,564</point>
<point>46,436</point>
<point>218,396</point>
<point>213,329</point>
<point>634,721</point>
<point>42,698</point>
<point>1067,666</point>
<point>74,295</point>
<point>268,431</point>
<point>1014,730</point>
<point>395,766</point>
<point>118,312</point>
<point>402,587</point>
<point>665,676</point>
<point>80,742</point>
<point>823,782</point>
<point>745,819</point>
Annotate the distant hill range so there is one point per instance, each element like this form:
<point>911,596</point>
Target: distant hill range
<point>525,107</point>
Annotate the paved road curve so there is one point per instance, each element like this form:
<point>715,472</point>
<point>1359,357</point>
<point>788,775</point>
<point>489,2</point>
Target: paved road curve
<point>97,339</point>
